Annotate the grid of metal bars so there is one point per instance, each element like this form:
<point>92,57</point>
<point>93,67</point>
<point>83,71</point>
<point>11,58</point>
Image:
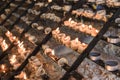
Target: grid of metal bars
<point>70,70</point>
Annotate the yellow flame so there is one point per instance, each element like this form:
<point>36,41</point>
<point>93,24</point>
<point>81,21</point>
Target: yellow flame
<point>49,1</point>
<point>24,76</point>
<point>8,32</point>
<point>67,38</point>
<point>53,52</point>
<point>57,29</point>
<point>14,37</point>
<point>97,31</point>
<point>70,19</point>
<point>4,45</point>
<point>3,68</point>
<point>83,25</point>
<point>83,44</point>
<point>90,26</point>
<point>13,59</point>
<point>76,40</point>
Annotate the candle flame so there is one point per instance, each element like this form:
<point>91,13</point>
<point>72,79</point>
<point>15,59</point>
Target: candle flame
<point>70,19</point>
<point>57,29</point>
<point>21,48</point>
<point>76,40</point>
<point>20,44</point>
<point>83,25</point>
<point>53,52</point>
<point>14,37</point>
<point>3,68</point>
<point>97,31</point>
<point>13,59</point>
<point>24,76</point>
<point>90,26</point>
<point>4,45</point>
<point>67,38</point>
<point>8,32</point>
<point>49,1</point>
<point>83,44</point>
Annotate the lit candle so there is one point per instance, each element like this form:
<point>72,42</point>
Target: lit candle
<point>82,28</point>
<point>49,52</point>
<point>21,48</point>
<point>4,45</point>
<point>94,32</point>
<point>49,1</point>
<point>73,23</point>
<point>8,34</point>
<point>13,59</point>
<point>74,44</point>
<point>82,47</point>
<point>90,29</point>
<point>55,32</point>
<point>61,36</point>
<point>66,41</point>
<point>67,23</point>
<point>52,55</point>
<point>13,38</point>
<point>3,68</point>
<point>78,25</point>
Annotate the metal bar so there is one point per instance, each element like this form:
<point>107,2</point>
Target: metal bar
<point>12,12</point>
<point>2,10</point>
<point>90,46</point>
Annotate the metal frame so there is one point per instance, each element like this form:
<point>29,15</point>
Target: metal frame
<point>70,70</point>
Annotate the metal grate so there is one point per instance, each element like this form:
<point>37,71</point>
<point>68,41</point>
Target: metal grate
<point>70,70</point>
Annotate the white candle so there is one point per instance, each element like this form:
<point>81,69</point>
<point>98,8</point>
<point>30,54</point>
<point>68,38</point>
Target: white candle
<point>66,41</point>
<point>74,44</point>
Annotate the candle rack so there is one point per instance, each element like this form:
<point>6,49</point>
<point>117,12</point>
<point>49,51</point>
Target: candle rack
<point>70,70</point>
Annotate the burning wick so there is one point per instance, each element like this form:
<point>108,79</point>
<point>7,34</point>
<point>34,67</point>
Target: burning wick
<point>4,45</point>
<point>24,76</point>
<point>55,32</point>
<point>49,1</point>
<point>70,19</point>
<point>8,33</point>
<point>14,38</point>
<point>75,43</point>
<point>3,68</point>
<point>90,26</point>
<point>66,41</point>
<point>13,59</point>
<point>51,53</point>
<point>21,48</point>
